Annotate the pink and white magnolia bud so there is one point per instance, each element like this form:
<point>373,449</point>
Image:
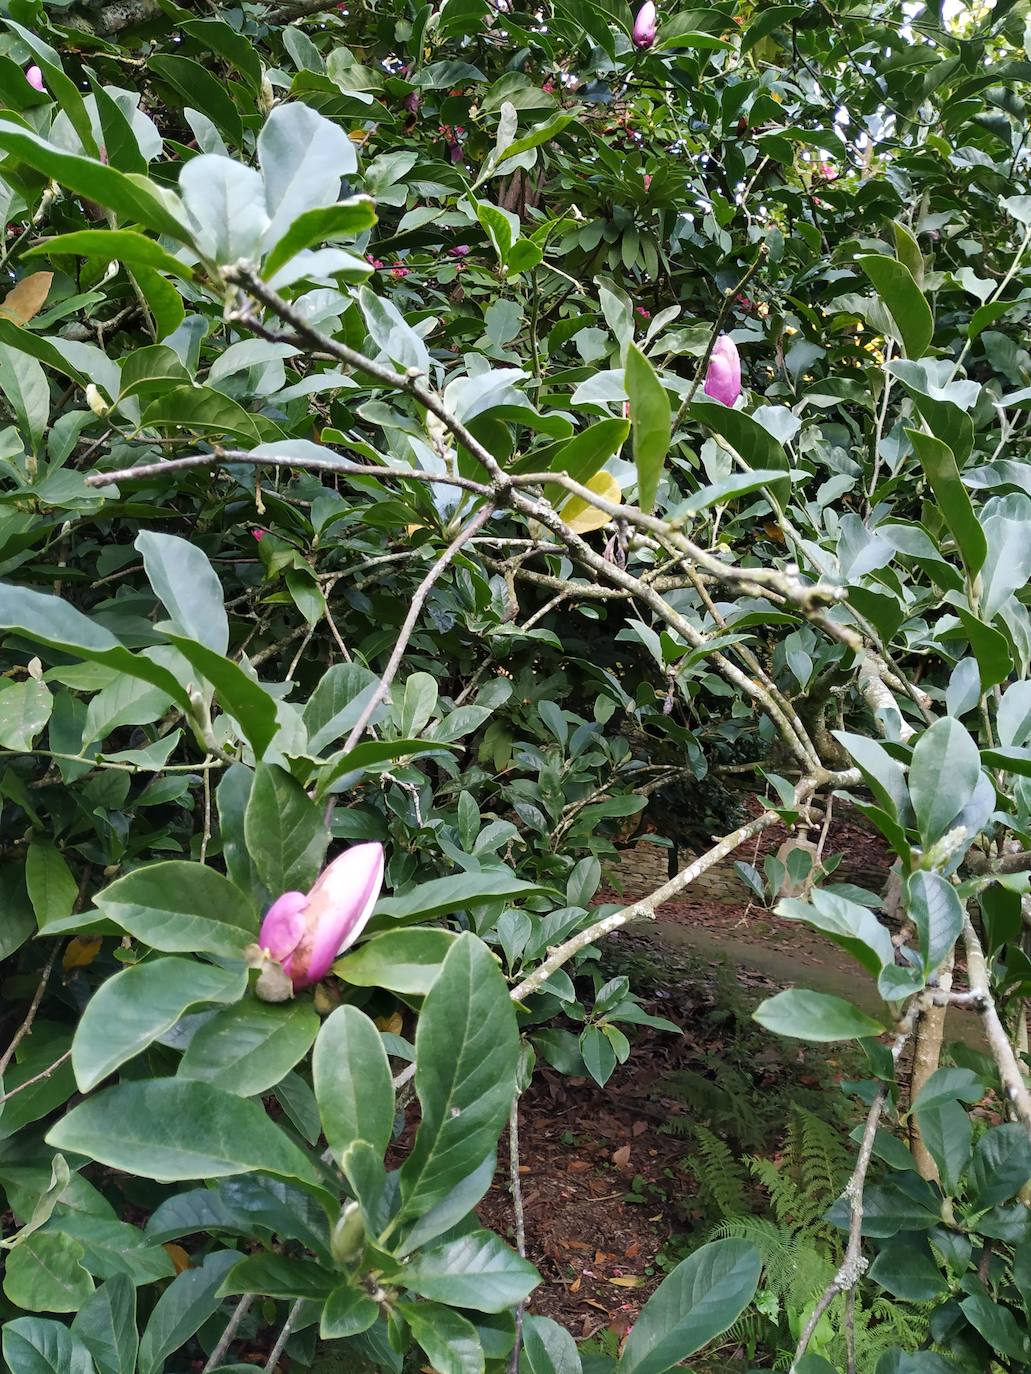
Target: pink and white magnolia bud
<point>304,932</point>
<point>645,25</point>
<point>723,378</point>
<point>34,77</point>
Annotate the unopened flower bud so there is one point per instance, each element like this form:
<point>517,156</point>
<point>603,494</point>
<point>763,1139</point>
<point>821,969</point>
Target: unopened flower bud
<point>348,1239</point>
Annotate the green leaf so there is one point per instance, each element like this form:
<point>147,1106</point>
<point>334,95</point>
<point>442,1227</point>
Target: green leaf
<point>884,775</point>
<point>449,1341</point>
<point>200,89</point>
<point>362,756</point>
<point>942,776</point>
<point>303,158</point>
<point>353,1083</point>
<point>418,704</point>
<point>939,465</point>
<point>705,1294</point>
<point>186,585</point>
<point>132,196</point>
<point>587,453</point>
<point>113,245</point>
<point>751,441</point>
<point>404,961</point>
<point>44,1273</point>
<point>456,893</point>
<point>814,1016</point>
<point>248,702</point>
<point>345,219</point>
<point>1001,1164</point>
<point>24,383</point>
<point>225,201</point>
<point>181,908</point>
<point>172,1130</point>
<point>894,283</point>
<point>348,1312</point>
<point>276,1276</point>
<point>106,1325</point>
<point>467,1051</point>
<point>848,924</point>
<point>908,1272</point>
<point>132,1009</point>
<point>548,1348</point>
<point>25,708</point>
<point>52,621</point>
<point>183,1308</point>
<point>336,703</point>
<point>284,830</point>
<point>947,1132</point>
<point>999,1327</point>
<point>249,1048</point>
<point>477,1271</point>
<point>935,909</point>
<point>650,423</point>
<point>36,1345</point>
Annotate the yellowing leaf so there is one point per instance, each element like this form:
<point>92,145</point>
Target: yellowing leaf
<point>177,1255</point>
<point>580,516</point>
<point>28,297</point>
<point>628,1281</point>
<point>80,952</point>
<point>393,1025</point>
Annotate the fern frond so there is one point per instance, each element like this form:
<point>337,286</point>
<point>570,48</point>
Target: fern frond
<point>720,1176</point>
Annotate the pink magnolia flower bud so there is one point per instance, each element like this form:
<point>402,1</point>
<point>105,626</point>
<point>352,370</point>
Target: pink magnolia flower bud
<point>34,77</point>
<point>460,250</point>
<point>306,932</point>
<point>723,379</point>
<point>258,534</point>
<point>645,25</point>
<point>647,182</point>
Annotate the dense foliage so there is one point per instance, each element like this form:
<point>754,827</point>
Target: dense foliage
<point>376,486</point>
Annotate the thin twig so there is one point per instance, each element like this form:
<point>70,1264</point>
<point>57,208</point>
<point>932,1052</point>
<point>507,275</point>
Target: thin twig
<point>30,1016</point>
<point>232,1326</point>
<point>36,1078</point>
<point>1013,1083</point>
<point>411,619</point>
<point>283,1336</point>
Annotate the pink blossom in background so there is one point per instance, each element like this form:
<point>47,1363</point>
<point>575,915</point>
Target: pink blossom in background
<point>460,250</point>
<point>34,77</point>
<point>723,378</point>
<point>306,932</point>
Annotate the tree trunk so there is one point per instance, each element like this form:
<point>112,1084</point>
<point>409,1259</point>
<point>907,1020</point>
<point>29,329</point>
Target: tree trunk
<point>926,1056</point>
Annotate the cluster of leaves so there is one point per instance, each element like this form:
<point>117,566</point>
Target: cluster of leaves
<point>357,487</point>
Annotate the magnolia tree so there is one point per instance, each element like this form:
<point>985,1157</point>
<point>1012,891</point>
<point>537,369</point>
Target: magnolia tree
<point>431,434</point>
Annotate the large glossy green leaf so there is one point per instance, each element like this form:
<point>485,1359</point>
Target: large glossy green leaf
<point>587,453</point>
<point>181,907</point>
<point>894,283</point>
<point>186,585</point>
<point>284,830</point>
<point>130,1010</point>
<point>650,422</point>
<point>467,1050</point>
<point>353,1083</point>
<point>44,1273</point>
<point>704,1294</point>
<point>347,218</point>
<point>848,924</point>
<point>170,1130</point>
<point>39,1345</point>
<point>132,197</point>
<point>477,1271</point>
<point>303,158</point>
<point>113,245</point>
<point>225,201</point>
<point>184,1306</point>
<point>106,1325</point>
<point>248,702</point>
<point>752,442</point>
<point>1001,1165</point>
<point>249,1048</point>
<point>936,911</point>
<point>406,961</point>
<point>449,1341</point>
<point>815,1016</point>
<point>939,465</point>
<point>441,895</point>
<point>548,1348</point>
<point>51,620</point>
<point>942,776</point>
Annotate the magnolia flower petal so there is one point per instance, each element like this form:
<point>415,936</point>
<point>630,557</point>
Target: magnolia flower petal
<point>284,925</point>
<point>723,378</point>
<point>34,77</point>
<point>645,25</point>
<point>339,906</point>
